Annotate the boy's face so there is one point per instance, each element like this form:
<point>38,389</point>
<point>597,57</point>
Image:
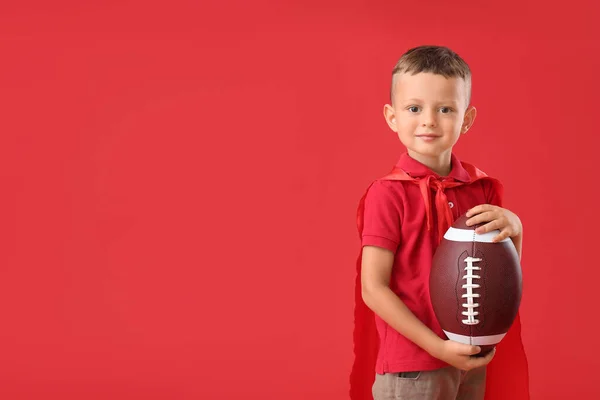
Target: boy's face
<point>429,114</point>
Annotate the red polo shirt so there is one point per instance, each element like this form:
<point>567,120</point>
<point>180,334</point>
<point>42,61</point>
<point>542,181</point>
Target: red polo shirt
<point>395,219</point>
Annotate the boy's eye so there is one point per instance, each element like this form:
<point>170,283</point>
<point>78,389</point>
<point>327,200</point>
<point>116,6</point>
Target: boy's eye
<point>445,110</point>
<point>413,109</point>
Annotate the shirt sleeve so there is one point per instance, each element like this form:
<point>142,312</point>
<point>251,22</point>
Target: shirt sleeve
<point>493,192</point>
<point>382,216</point>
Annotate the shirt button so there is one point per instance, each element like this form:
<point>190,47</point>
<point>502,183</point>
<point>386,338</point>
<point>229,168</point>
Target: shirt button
<point>451,204</point>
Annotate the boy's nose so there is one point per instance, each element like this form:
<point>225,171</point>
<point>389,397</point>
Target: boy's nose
<point>428,119</point>
<point>429,122</point>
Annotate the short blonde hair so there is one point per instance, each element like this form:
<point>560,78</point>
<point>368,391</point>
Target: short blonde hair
<point>438,60</point>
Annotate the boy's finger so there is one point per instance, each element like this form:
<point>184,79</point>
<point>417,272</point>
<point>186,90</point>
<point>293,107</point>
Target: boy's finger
<point>477,362</point>
<point>472,350</point>
<point>501,236</point>
<point>485,216</point>
<point>476,210</point>
<point>488,357</point>
<point>490,226</point>
<point>465,349</point>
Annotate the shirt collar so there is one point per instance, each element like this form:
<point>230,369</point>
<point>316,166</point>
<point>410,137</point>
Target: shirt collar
<point>418,170</point>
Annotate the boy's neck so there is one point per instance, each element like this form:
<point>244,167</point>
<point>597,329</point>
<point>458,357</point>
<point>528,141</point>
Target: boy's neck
<point>441,165</point>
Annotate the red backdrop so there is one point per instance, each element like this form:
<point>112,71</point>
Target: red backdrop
<point>180,180</point>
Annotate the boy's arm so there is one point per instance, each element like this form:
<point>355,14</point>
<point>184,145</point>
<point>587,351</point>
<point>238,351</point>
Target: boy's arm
<point>376,271</point>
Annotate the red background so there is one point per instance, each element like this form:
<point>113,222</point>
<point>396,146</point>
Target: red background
<point>180,180</point>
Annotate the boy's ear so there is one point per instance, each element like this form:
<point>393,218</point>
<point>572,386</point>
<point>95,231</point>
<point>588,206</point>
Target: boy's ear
<point>469,120</point>
<point>390,117</point>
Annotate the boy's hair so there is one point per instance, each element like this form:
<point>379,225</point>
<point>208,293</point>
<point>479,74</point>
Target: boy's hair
<point>434,59</point>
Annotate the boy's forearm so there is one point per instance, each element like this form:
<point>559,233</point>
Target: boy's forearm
<point>387,305</point>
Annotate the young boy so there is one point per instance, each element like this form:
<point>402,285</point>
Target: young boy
<point>400,229</point>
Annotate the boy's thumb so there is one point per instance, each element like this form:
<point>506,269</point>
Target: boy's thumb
<point>475,350</point>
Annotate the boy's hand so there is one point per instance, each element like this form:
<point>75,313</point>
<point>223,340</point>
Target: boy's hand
<point>496,217</point>
<point>460,355</point>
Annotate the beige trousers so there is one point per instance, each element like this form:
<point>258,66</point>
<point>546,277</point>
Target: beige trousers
<point>442,384</point>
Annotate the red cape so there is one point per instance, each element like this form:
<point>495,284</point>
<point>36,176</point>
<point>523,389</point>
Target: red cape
<point>507,374</point>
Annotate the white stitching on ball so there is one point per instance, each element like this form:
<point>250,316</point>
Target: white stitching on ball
<point>470,306</point>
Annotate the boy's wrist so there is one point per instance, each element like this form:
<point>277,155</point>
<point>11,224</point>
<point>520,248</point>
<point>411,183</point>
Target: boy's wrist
<point>434,346</point>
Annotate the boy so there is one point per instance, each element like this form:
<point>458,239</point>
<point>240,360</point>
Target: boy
<point>400,230</point>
